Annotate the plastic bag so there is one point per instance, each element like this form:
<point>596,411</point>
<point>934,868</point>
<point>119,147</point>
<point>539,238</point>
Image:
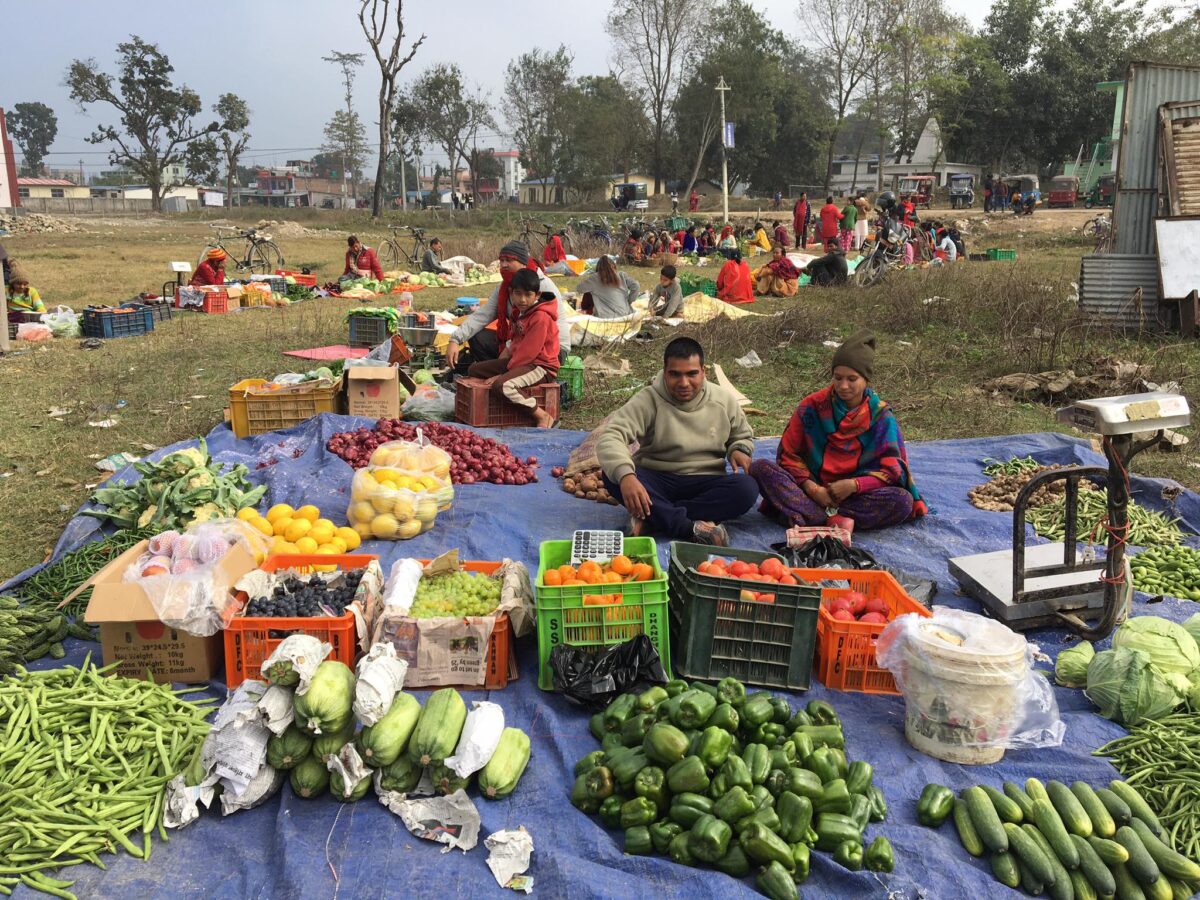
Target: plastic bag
<point>417,465</point>
<point>824,551</point>
<point>381,509</point>
<point>34,332</point>
<point>431,403</point>
<point>594,679</point>
<point>968,684</point>
<point>63,322</point>
<point>480,736</point>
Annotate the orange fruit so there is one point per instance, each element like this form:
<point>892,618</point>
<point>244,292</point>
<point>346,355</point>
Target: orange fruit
<point>573,582</point>
<point>552,578</point>
<point>622,565</point>
<point>612,578</point>
<point>643,572</point>
<point>566,572</point>
<point>589,571</point>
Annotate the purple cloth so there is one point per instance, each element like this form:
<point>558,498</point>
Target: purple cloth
<point>678,501</point>
<point>783,498</point>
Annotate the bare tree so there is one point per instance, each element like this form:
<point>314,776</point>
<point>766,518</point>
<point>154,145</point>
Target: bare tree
<point>381,27</point>
<point>347,62</point>
<point>657,35</point>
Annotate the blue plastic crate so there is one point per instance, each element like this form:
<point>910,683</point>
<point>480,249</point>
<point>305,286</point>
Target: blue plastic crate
<point>105,323</point>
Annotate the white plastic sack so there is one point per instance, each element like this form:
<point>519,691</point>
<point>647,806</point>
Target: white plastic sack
<point>480,735</point>
<point>63,322</point>
<point>34,332</point>
<point>380,678</point>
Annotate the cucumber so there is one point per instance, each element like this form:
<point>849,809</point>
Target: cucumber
<point>1069,809</point>
<point>1019,797</point>
<point>1159,890</point>
<point>1093,867</point>
<point>1006,808</point>
<point>1004,867</point>
<point>1053,830</point>
<point>1035,789</point>
<point>1110,852</point>
<point>1117,808</point>
<point>1141,864</point>
<point>1029,882</point>
<point>1127,886</point>
<point>1081,887</point>
<point>1173,864</point>
<point>966,830</point>
<point>1060,889</point>
<point>1137,805</point>
<point>1102,821</point>
<point>1180,891</point>
<point>1030,854</point>
<point>983,816</point>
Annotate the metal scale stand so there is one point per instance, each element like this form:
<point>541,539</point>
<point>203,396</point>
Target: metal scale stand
<point>1055,585</point>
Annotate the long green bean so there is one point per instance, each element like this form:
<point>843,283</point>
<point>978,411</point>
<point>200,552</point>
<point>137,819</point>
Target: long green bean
<point>1014,466</point>
<point>1146,527</point>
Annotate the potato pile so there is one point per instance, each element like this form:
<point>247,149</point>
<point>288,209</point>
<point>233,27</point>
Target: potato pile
<point>586,485</point>
<point>1000,493</point>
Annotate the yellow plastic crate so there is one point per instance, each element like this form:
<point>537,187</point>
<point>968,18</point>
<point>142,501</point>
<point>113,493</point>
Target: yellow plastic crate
<point>255,409</point>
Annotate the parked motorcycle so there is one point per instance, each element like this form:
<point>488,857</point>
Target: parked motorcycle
<point>886,253</point>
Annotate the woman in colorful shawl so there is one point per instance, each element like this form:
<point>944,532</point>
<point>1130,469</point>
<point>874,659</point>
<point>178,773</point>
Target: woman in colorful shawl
<point>841,460</point>
<point>778,278</point>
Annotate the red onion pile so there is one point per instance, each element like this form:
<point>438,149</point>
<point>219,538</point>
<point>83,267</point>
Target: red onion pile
<point>472,457</point>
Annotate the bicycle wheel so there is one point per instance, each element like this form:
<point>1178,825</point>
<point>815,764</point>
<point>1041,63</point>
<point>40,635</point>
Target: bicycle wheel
<point>569,243</point>
<point>264,258</point>
<point>390,255</point>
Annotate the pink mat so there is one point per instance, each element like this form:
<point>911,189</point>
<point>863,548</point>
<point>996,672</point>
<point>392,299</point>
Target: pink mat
<point>337,351</point>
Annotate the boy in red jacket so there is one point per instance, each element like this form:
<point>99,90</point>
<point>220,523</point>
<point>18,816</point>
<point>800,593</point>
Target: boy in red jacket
<point>531,356</point>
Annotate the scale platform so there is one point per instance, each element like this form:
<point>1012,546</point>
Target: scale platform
<point>988,577</point>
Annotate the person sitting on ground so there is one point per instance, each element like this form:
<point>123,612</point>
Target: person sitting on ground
<point>727,243</point>
<point>760,239</point>
<point>211,271</point>
<point>554,252</point>
<point>607,293</point>
<point>689,240</point>
<point>487,340</point>
<point>828,270</point>
<point>780,232</point>
<point>849,223</point>
<point>841,460</point>
<point>779,277</point>
<point>947,246</point>
<point>631,253</point>
<point>667,300</point>
<point>959,244</point>
<point>21,297</point>
<point>734,284</point>
<point>685,429</point>
<point>532,354</point>
<point>651,249</point>
<point>830,216</point>
<point>707,242</point>
<point>361,261</point>
<point>432,260</point>
<point>677,241</point>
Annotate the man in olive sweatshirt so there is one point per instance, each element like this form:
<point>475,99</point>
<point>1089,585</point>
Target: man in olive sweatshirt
<point>686,429</point>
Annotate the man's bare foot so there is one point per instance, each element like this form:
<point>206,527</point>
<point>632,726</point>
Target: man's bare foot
<point>710,533</point>
<point>636,526</point>
<point>542,418</point>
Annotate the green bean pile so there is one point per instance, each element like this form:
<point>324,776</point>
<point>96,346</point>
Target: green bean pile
<point>1162,760</point>
<point>84,760</point>
<point>1146,528</point>
<point>1014,466</point>
<point>1173,571</point>
<point>52,584</point>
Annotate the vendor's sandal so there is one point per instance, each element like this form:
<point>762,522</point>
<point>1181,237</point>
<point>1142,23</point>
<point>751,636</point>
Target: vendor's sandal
<point>710,533</point>
<point>544,420</point>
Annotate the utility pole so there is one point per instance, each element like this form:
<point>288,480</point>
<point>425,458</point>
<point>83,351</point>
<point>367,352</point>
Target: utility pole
<point>722,87</point>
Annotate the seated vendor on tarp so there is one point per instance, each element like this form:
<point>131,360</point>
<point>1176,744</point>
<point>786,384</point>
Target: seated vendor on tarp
<point>21,297</point>
<point>211,272</point>
<point>361,261</point>
<point>841,460</point>
<point>431,261</point>
<point>686,429</point>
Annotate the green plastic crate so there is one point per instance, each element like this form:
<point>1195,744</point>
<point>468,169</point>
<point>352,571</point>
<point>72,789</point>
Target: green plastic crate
<point>571,374</point>
<point>690,284</point>
<point>718,635</point>
<point>563,619</point>
<point>995,253</point>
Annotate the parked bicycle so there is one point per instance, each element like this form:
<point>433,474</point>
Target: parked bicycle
<point>535,236</point>
<point>393,253</point>
<point>1100,228</point>
<point>259,256</point>
<point>584,230</point>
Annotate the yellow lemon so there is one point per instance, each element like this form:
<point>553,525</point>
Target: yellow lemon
<point>363,530</point>
<point>324,523</point>
<point>385,526</point>
<point>338,544</point>
<point>324,568</point>
<point>278,511</point>
<point>362,512</point>
<point>349,537</point>
<point>286,547</point>
<point>428,482</point>
<point>259,557</point>
<point>383,502</point>
<point>327,550</point>
<point>247,513</point>
<point>361,488</point>
<point>282,524</point>
<point>404,507</point>
<point>309,512</point>
<point>263,525</point>
<point>322,534</point>
<point>409,529</point>
<point>298,529</point>
<point>306,545</point>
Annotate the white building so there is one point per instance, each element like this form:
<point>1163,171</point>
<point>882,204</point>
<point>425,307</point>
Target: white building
<point>929,148</point>
<point>513,174</point>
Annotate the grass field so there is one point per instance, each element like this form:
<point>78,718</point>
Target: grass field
<point>994,319</point>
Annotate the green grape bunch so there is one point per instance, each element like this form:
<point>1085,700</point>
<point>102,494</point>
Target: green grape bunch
<point>457,595</point>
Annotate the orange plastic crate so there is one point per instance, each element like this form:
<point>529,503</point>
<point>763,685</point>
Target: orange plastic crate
<point>474,404</point>
<point>214,302</point>
<point>845,658</point>
<point>250,640</point>
<point>300,277</point>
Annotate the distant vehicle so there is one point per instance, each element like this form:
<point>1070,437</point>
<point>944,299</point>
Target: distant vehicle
<point>919,187</point>
<point>630,195</point>
<point>962,191</point>
<point>1064,191</point>
<point>1102,193</point>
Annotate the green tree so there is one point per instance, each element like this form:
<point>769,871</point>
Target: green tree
<point>451,114</point>
<point>158,118</point>
<point>606,132</point>
<point>537,85</point>
<point>234,116</point>
<point>348,62</point>
<point>346,141</point>
<point>33,126</point>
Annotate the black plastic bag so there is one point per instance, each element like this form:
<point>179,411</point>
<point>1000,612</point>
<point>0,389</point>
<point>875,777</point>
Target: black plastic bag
<point>824,551</point>
<point>596,679</point>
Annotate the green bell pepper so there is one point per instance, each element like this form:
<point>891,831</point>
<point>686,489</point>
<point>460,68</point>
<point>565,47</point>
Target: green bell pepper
<point>783,756</point>
<point>822,763</point>
<point>935,805</point>
<point>822,713</point>
<point>879,806</point>
<point>879,856</point>
<point>661,833</point>
<point>780,710</point>
<point>611,741</point>
<point>824,735</point>
<point>776,782</point>
<point>859,777</point>
<point>600,783</point>
<point>596,726</point>
<point>731,691</point>
<point>758,760</point>
<point>834,798</point>
<point>651,783</point>
<point>764,815</point>
<point>589,762</point>
<point>734,861</point>
<point>803,745</point>
<point>775,883</point>
<point>679,851</point>
<point>768,734</point>
<point>650,698</point>
<point>724,717</point>
<point>860,810</point>
<point>761,796</point>
<point>633,729</point>
<point>805,783</point>
<point>638,811</point>
<point>688,776</point>
<point>676,687</point>
<point>843,764</point>
<point>713,746</point>
<point>756,710</point>
<point>668,709</point>
<point>833,829</point>
<point>735,804</point>
<point>710,689</point>
<point>799,718</point>
<point>695,707</point>
<point>709,838</point>
<point>719,786</point>
<point>802,859</point>
<point>686,809</point>
<point>610,810</point>
<point>849,854</point>
<point>795,816</point>
<point>736,773</point>
<point>618,711</point>
<point>665,744</point>
<point>625,768</point>
<point>581,799</point>
<point>763,845</point>
<point>637,841</point>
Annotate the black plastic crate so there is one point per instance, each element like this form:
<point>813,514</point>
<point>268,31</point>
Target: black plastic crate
<point>368,331</point>
<point>715,634</point>
<point>105,323</point>
<point>160,312</point>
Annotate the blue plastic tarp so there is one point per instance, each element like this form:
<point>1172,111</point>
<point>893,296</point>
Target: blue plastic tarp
<point>296,848</point>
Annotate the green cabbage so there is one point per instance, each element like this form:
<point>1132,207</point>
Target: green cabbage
<point>328,703</point>
<point>1169,645</point>
<point>1192,626</point>
<point>1071,667</point>
<point>1127,688</point>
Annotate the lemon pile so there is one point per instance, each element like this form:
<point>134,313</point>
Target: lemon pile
<point>391,505</point>
<point>301,531</point>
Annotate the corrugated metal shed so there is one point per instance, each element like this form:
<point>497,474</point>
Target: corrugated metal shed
<point>1109,289</point>
<point>1179,142</point>
<point>1147,87</point>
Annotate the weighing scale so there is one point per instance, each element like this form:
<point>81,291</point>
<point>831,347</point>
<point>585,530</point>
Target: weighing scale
<point>1060,584</point>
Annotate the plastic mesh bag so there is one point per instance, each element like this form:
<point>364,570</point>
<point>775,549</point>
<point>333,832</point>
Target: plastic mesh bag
<point>380,508</point>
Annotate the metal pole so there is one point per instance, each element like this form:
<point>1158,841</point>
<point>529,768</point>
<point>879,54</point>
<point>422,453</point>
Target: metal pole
<point>722,87</point>
<point>4,316</point>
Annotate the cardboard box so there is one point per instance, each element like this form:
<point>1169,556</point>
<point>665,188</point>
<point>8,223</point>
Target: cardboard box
<point>131,632</point>
<point>373,391</point>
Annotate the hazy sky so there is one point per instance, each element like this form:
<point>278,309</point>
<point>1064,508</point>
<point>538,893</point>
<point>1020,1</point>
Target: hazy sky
<point>269,52</point>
